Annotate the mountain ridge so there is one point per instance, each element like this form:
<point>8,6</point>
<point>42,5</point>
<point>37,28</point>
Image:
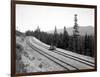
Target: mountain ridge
<point>89,30</point>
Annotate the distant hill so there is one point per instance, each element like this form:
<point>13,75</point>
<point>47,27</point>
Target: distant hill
<point>89,30</point>
<point>18,33</point>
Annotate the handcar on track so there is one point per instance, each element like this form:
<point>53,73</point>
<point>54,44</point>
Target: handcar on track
<point>52,47</point>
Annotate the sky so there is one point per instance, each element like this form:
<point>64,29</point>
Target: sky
<point>28,17</point>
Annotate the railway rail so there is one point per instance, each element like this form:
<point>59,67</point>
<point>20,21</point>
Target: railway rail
<point>60,62</point>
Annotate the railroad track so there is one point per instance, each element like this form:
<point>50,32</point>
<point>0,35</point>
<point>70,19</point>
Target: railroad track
<point>68,55</point>
<point>60,62</point>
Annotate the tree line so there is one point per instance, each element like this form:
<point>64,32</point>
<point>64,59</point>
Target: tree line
<point>85,45</point>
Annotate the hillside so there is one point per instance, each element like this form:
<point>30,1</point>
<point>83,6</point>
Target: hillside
<point>18,33</point>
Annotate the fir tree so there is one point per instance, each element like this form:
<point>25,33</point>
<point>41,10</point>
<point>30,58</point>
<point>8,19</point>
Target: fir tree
<point>55,39</point>
<point>76,47</point>
<point>65,38</point>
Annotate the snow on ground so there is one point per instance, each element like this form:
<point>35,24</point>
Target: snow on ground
<point>32,61</point>
<point>29,60</point>
<point>66,51</point>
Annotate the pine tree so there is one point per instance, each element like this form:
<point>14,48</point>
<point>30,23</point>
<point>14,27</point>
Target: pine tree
<point>93,46</point>
<point>65,38</point>
<point>55,40</point>
<point>89,45</point>
<point>76,46</point>
<point>82,49</point>
<point>60,42</point>
<point>70,43</point>
<point>37,33</point>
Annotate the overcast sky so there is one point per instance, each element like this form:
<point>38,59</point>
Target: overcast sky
<point>28,17</point>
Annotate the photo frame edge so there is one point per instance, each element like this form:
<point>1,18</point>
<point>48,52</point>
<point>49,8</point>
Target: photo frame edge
<point>13,37</point>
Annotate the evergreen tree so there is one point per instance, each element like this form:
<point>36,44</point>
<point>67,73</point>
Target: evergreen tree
<point>70,43</point>
<point>82,40</point>
<point>65,38</point>
<point>86,52</point>
<point>89,45</point>
<point>76,46</point>
<point>93,46</point>
<point>60,42</point>
<point>37,33</point>
<point>55,39</point>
